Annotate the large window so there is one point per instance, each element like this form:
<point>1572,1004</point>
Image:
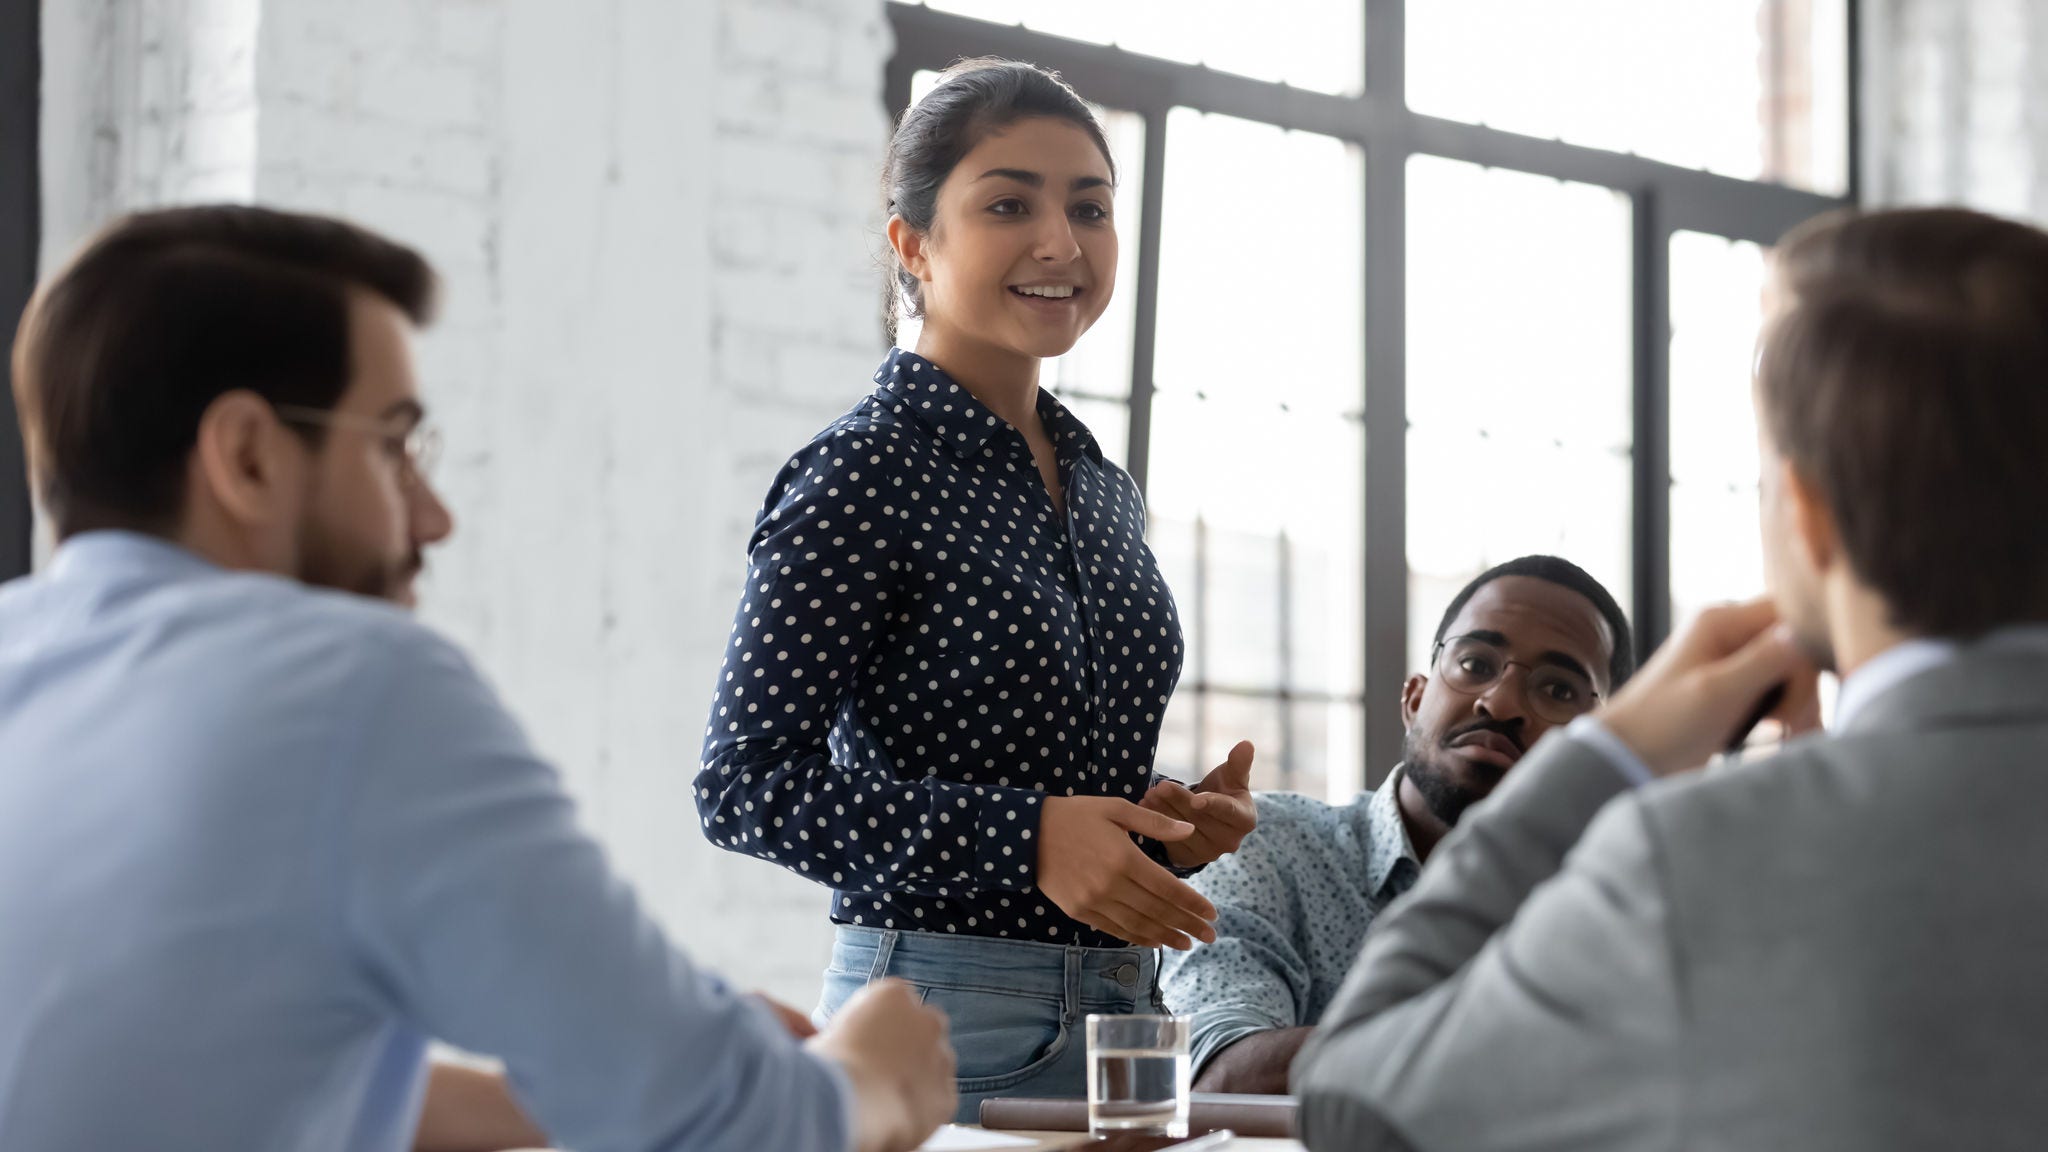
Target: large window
<point>1408,290</point>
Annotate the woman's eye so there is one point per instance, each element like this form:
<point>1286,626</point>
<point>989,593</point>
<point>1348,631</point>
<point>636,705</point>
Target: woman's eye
<point>1092,212</point>
<point>1009,206</point>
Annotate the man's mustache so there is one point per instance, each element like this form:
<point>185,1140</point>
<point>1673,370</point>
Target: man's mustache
<point>1510,730</point>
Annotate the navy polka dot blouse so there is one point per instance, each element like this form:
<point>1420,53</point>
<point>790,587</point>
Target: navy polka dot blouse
<point>924,650</point>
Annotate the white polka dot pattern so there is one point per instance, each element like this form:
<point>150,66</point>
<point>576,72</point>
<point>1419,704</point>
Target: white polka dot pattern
<point>924,651</point>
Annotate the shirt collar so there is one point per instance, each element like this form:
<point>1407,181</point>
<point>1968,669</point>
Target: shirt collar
<point>92,555</point>
<point>1390,843</point>
<point>1907,659</point>
<point>963,423</point>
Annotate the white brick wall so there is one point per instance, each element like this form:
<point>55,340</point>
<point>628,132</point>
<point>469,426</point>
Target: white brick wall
<point>1957,104</point>
<point>655,221</point>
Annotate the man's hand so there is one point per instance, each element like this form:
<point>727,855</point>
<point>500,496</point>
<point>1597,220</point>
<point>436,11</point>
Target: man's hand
<point>899,1062</point>
<point>1220,808</point>
<point>1257,1064</point>
<point>1089,866</point>
<point>472,1110</point>
<point>796,1023</point>
<point>1686,703</point>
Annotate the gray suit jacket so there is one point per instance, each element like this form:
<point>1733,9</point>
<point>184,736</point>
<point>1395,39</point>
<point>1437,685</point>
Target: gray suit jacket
<point>1844,946</point>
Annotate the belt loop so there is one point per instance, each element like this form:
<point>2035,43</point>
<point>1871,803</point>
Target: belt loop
<point>1072,1008</point>
<point>885,947</point>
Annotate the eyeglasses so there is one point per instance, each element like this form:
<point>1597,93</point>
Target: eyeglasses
<point>1473,666</point>
<point>417,449</point>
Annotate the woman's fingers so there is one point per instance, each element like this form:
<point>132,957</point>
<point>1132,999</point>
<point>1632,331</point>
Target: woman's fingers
<point>1151,921</point>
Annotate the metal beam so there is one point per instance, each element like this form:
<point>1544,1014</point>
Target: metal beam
<point>20,234</point>
<point>1145,321</point>
<point>1386,400</point>
<point>1114,77</point>
<point>1650,537</point>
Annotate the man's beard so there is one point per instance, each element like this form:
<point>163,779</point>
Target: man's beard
<point>324,565</point>
<point>1446,797</point>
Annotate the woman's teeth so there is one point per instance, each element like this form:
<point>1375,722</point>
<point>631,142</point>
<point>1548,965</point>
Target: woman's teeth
<point>1049,291</point>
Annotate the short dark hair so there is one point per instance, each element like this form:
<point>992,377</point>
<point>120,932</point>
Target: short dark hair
<point>120,354</point>
<point>973,99</point>
<point>1621,664</point>
<point>1905,376</point>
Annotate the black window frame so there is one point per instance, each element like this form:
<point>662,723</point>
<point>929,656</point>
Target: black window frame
<point>1665,198</point>
<point>20,236</point>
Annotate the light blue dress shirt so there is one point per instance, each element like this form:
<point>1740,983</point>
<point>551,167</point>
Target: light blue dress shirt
<point>1292,906</point>
<point>259,843</point>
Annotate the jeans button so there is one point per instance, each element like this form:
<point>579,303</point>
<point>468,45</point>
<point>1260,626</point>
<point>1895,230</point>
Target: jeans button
<point>1127,975</point>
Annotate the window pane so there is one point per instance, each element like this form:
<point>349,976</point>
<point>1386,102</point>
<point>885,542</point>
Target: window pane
<point>1717,289</point>
<point>1519,363</point>
<point>1317,44</point>
<point>1261,285</point>
<point>1257,483</point>
<point>1326,744</point>
<point>1756,89</point>
<point>1099,366</point>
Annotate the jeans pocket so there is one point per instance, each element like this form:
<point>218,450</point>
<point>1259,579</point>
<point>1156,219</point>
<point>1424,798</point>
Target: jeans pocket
<point>1001,1038</point>
<point>839,987</point>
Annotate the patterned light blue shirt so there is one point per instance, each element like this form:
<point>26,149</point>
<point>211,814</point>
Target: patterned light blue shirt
<point>259,842</point>
<point>1292,907</point>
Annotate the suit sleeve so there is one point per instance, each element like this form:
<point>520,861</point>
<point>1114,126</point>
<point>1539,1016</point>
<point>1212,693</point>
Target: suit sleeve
<point>1523,995</point>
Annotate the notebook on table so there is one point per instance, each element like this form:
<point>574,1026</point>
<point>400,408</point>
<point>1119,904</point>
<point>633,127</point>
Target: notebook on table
<point>1207,1111</point>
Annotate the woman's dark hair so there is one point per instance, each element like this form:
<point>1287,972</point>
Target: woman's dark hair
<point>974,99</point>
<point>119,356</point>
<point>1906,377</point>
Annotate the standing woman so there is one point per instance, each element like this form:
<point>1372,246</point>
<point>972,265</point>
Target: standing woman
<point>943,693</point>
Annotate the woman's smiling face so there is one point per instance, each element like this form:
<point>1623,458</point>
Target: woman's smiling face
<point>1022,250</point>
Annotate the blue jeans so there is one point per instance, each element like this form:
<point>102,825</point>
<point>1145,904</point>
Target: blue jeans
<point>1018,1008</point>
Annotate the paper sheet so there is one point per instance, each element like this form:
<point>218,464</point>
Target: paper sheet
<point>954,1138</point>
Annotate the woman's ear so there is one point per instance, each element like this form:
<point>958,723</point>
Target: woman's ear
<point>910,246</point>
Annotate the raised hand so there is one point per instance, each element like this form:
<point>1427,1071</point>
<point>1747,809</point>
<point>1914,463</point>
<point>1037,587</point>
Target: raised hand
<point>1220,808</point>
<point>1089,866</point>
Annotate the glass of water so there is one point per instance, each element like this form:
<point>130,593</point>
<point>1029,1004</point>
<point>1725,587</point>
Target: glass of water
<point>1138,1074</point>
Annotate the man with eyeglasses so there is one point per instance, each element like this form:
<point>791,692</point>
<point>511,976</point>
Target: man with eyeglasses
<point>261,840</point>
<point>1529,645</point>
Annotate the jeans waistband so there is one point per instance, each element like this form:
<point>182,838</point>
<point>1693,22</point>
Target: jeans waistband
<point>997,963</point>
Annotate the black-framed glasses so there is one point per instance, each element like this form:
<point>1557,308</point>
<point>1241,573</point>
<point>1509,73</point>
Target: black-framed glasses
<point>1473,666</point>
<point>417,448</point>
